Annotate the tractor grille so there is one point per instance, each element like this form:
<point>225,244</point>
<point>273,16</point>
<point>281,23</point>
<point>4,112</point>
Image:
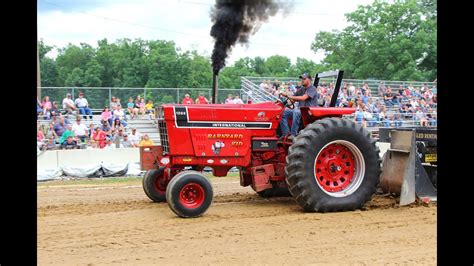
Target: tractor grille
<point>163,136</point>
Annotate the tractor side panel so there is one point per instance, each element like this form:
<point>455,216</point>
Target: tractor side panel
<point>180,140</point>
<point>220,142</point>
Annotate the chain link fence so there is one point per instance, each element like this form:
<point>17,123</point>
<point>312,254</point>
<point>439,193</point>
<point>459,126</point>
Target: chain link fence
<point>372,83</point>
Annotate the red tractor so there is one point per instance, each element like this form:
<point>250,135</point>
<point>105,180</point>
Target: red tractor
<point>332,165</point>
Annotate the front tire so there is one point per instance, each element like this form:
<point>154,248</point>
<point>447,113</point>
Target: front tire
<point>333,165</point>
<point>189,194</point>
<point>154,184</point>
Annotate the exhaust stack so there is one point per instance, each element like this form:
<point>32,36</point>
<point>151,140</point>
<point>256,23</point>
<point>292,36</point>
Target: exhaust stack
<point>215,81</point>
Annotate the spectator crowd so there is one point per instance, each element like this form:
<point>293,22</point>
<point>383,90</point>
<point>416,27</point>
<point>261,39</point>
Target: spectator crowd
<point>407,104</point>
<point>56,131</point>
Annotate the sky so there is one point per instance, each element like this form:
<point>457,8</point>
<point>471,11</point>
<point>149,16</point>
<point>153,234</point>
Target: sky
<point>188,24</point>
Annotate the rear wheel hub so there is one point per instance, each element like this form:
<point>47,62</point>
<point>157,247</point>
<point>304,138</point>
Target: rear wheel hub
<point>338,168</point>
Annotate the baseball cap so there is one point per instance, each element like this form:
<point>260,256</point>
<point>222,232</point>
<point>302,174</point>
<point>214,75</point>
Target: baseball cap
<point>305,75</point>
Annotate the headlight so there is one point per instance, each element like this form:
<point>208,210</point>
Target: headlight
<point>165,160</point>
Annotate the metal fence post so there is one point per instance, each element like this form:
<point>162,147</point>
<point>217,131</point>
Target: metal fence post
<point>110,96</point>
<point>72,96</point>
<point>177,93</point>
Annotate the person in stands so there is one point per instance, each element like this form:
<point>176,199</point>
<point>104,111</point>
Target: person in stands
<point>132,111</point>
<point>80,130</point>
<point>134,137</point>
<point>149,107</point>
<point>99,137</point>
<point>237,100</point>
<point>146,141</point>
<point>47,105</point>
<point>83,106</point>
<point>68,104</point>
<point>126,142</point>
<point>187,99</point>
<point>229,100</point>
<point>201,99</point>
<point>69,143</point>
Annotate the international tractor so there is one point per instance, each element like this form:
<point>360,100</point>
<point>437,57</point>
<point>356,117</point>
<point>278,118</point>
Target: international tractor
<point>332,165</point>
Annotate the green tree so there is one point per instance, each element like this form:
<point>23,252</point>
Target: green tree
<point>75,78</point>
<point>229,77</point>
<point>49,71</point>
<point>260,67</point>
<point>200,71</point>
<point>93,73</point>
<point>105,58</point>
<point>278,65</point>
<point>303,65</point>
<point>385,40</point>
<point>162,65</point>
<point>69,59</point>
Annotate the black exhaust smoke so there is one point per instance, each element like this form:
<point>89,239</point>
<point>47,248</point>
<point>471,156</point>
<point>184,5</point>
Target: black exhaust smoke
<point>235,20</point>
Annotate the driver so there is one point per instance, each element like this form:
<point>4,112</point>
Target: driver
<point>306,96</point>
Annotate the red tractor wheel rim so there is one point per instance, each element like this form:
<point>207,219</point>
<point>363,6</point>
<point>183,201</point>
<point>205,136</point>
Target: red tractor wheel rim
<point>192,195</point>
<point>160,182</point>
<point>339,168</point>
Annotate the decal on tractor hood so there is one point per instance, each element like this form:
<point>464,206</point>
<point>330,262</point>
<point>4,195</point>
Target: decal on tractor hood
<point>182,121</point>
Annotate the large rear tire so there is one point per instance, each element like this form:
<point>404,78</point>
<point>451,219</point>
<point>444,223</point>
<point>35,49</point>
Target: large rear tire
<point>333,165</point>
<point>189,194</point>
<point>154,184</point>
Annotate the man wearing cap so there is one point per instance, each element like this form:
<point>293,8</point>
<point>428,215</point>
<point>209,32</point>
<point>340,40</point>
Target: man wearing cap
<point>134,137</point>
<point>305,96</point>
<point>80,130</point>
<point>126,142</point>
<point>68,104</point>
<point>83,106</point>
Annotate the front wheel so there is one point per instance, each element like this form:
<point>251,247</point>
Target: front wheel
<point>154,184</point>
<point>333,165</point>
<point>189,194</point>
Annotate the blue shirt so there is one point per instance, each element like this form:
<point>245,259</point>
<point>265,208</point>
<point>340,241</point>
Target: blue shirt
<point>365,99</point>
<point>359,115</point>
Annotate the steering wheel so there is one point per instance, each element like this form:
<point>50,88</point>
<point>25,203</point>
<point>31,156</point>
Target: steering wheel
<point>287,102</point>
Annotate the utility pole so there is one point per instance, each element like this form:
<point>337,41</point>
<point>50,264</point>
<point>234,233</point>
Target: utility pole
<point>38,73</point>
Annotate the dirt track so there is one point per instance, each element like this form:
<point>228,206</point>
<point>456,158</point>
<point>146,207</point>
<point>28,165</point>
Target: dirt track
<point>117,224</point>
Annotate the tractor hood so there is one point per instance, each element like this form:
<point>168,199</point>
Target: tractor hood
<point>242,116</point>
